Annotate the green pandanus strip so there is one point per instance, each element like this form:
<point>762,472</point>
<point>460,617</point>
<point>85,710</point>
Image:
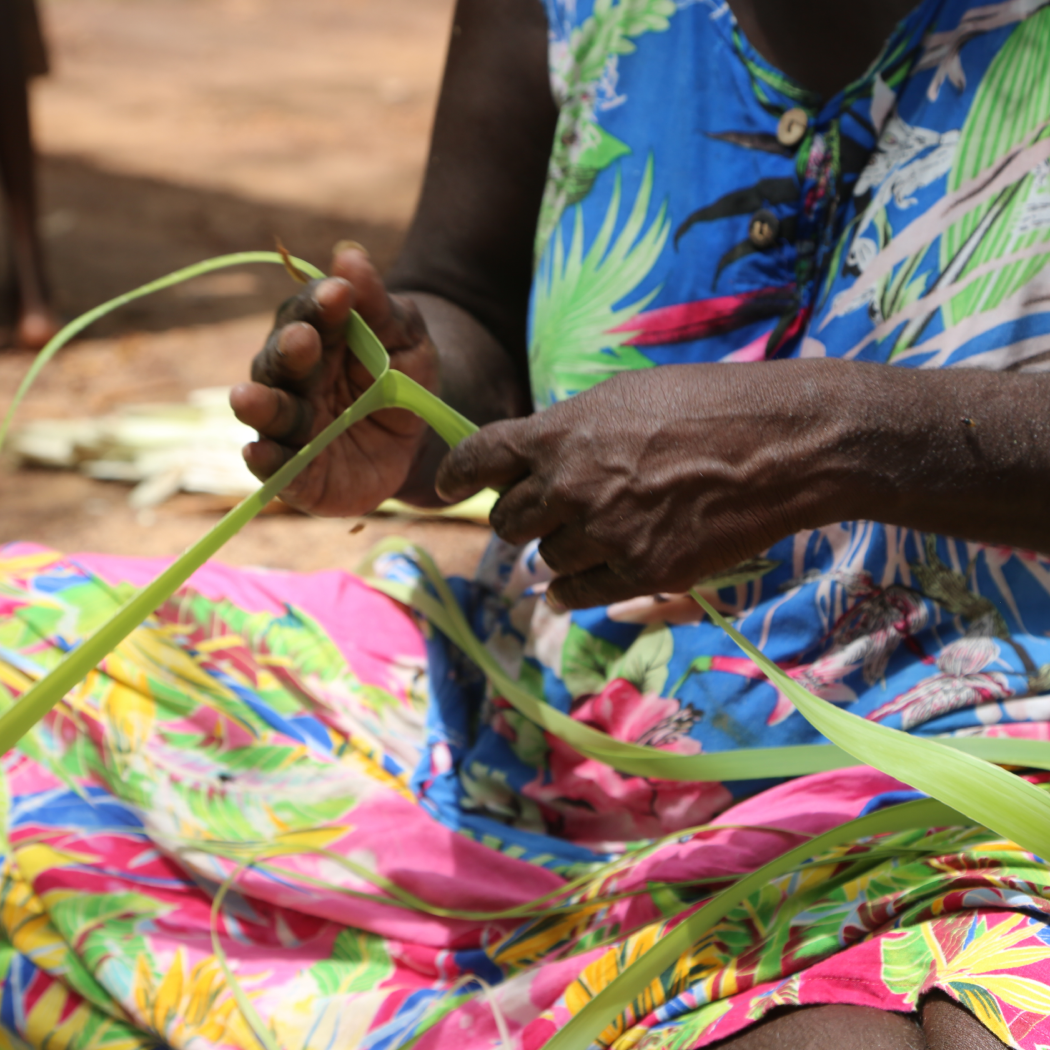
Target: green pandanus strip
<point>389,389</point>
<point>965,787</point>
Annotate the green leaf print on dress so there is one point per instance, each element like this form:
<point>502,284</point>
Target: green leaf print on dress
<point>582,147</point>
<point>962,955</point>
<point>575,297</point>
<point>359,962</point>
<point>1011,109</point>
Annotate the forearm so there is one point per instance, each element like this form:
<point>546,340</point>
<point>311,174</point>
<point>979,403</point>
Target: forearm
<point>478,379</point>
<point>962,452</point>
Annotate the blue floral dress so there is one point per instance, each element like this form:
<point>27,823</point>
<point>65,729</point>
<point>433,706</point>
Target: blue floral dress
<point>702,207</point>
<point>394,830</point>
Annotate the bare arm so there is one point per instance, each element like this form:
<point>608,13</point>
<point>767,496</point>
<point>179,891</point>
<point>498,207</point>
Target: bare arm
<point>467,261</point>
<point>457,316</point>
<point>655,479</point>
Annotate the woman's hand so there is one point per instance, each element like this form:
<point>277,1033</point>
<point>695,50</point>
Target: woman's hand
<point>653,480</point>
<point>306,376</point>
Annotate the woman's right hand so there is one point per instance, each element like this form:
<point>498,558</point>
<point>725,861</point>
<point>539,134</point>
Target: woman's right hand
<point>306,376</point>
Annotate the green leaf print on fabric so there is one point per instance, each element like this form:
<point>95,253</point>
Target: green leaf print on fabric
<point>949,588</point>
<point>582,148</point>
<point>585,661</point>
<point>961,955</point>
<point>644,664</point>
<point>99,1032</point>
<point>104,930</point>
<point>488,791</point>
<point>904,955</point>
<point>268,758</point>
<point>575,297</point>
<point>529,743</point>
<point>359,963</point>
<point>257,806</point>
<point>296,636</point>
<point>79,918</point>
<point>1011,108</point>
<point>687,1032</point>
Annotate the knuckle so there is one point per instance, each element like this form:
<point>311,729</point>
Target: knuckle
<point>299,307</point>
<point>503,519</point>
<point>630,570</point>
<point>569,498</point>
<point>565,591</point>
<point>262,363</point>
<point>586,591</point>
<point>594,530</point>
<point>302,418</point>
<point>506,433</point>
<point>406,314</point>
<point>511,522</point>
<point>291,418</point>
<point>465,463</point>
<point>553,555</point>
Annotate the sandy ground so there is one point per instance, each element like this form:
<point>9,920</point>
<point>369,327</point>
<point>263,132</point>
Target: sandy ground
<point>173,130</point>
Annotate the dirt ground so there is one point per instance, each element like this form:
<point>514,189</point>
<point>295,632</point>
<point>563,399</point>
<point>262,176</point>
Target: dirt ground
<point>174,130</point>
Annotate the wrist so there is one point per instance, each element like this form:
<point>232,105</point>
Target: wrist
<point>418,486</point>
<point>816,425</point>
<point>884,443</point>
<point>859,441</point>
<point>475,376</point>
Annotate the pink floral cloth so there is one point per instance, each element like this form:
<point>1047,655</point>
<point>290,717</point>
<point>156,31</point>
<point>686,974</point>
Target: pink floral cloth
<point>267,708</point>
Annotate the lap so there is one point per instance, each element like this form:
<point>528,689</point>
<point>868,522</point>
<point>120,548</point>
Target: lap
<point>940,1024</point>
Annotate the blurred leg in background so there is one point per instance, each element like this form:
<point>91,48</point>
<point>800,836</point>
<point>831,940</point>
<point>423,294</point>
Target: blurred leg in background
<point>22,56</point>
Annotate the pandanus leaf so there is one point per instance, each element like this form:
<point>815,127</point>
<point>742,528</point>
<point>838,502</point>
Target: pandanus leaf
<point>964,787</point>
<point>960,780</point>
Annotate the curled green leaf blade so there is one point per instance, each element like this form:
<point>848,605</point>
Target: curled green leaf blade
<point>744,764</point>
<point>626,987</point>
<point>75,327</point>
<point>985,793</point>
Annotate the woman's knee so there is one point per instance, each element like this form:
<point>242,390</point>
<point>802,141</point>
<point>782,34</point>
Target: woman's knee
<point>940,1024</point>
<point>834,1027</point>
<point>948,1026</point>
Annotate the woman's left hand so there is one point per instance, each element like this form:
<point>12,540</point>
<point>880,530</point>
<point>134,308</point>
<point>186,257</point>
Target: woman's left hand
<point>655,479</point>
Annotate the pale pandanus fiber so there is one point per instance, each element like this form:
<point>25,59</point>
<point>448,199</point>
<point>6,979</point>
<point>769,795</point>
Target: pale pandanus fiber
<point>958,773</point>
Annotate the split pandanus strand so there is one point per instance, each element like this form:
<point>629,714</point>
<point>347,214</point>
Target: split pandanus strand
<point>959,774</point>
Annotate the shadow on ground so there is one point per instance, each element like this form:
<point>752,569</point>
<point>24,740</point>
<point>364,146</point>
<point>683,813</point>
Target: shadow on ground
<point>107,233</point>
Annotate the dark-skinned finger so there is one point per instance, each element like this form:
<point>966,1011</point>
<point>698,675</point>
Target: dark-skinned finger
<point>274,413</point>
<point>523,512</point>
<point>265,458</point>
<point>395,319</point>
<point>307,325</point>
<point>569,549</point>
<point>489,458</point>
<point>291,355</point>
<point>592,588</point>
<point>324,303</point>
<point>378,309</point>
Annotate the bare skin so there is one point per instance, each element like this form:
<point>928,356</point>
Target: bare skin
<point>821,44</point>
<point>939,1024</point>
<point>466,265</point>
<point>36,322</point>
<point>711,442</point>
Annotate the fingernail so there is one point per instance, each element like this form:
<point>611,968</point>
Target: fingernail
<point>344,246</point>
<point>328,288</point>
<point>282,341</point>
